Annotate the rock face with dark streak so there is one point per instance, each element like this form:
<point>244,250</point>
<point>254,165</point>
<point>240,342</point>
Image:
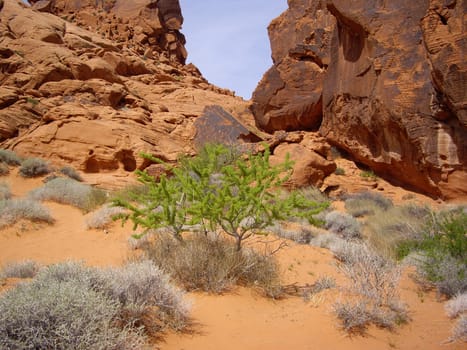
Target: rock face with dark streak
<point>390,85</point>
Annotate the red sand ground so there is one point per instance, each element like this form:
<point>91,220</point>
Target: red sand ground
<point>240,319</point>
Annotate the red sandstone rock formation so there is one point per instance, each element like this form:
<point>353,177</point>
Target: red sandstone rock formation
<point>75,96</point>
<point>386,81</point>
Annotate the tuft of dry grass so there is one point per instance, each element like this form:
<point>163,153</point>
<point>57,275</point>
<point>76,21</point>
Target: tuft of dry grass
<point>34,167</point>
<point>373,283</point>
<point>457,305</point>
<point>366,203</point>
<point>5,192</point>
<point>4,169</point>
<point>72,192</point>
<point>343,225</point>
<point>21,269</point>
<point>387,229</point>
<point>103,217</point>
<point>9,157</point>
<point>213,264</point>
<point>71,173</point>
<point>13,210</point>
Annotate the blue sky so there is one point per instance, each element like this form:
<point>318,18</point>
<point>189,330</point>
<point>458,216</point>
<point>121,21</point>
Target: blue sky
<point>228,41</point>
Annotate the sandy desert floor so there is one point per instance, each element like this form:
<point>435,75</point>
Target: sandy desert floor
<point>241,318</point>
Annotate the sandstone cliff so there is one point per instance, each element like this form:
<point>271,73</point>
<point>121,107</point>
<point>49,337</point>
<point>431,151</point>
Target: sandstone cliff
<point>385,81</point>
<point>93,83</point>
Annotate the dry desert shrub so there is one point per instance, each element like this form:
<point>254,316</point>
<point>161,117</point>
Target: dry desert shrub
<point>103,217</point>
<point>135,284</point>
<point>297,233</point>
<point>213,264</point>
<point>72,192</point>
<point>142,288</point>
<point>457,305</point>
<point>388,229</point>
<point>343,225</point>
<point>21,269</point>
<point>459,331</point>
<point>366,203</point>
<point>442,251</point>
<point>62,315</point>
<point>34,167</point>
<point>5,192</point>
<point>13,210</point>
<point>71,173</point>
<point>4,169</point>
<point>373,282</point>
<point>9,157</point>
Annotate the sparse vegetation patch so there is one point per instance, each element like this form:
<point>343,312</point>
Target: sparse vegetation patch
<point>4,169</point>
<point>343,225</point>
<point>443,249</point>
<point>34,167</point>
<point>13,210</point>
<point>213,264</point>
<point>103,217</point>
<point>69,191</point>
<point>20,269</point>
<point>373,283</point>
<point>9,157</point>
<point>71,173</point>
<point>5,192</point>
<point>70,306</point>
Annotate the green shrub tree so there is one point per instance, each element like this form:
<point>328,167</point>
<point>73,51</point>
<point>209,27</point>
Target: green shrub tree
<point>219,190</point>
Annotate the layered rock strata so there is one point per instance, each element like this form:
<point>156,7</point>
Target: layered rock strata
<point>76,97</point>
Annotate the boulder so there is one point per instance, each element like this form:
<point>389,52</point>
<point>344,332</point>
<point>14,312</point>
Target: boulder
<point>309,167</point>
<point>289,97</point>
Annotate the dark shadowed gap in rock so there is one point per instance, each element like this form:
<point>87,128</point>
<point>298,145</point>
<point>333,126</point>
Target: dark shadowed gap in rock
<point>91,166</point>
<point>351,35</point>
<point>443,19</point>
<point>127,159</point>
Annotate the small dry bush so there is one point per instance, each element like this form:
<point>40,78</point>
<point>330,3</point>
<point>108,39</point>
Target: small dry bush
<point>142,288</point>
<point>322,283</point>
<point>13,210</point>
<point>103,217</point>
<point>21,269</point>
<point>387,230</point>
<point>9,157</point>
<point>442,250</point>
<point>4,169</point>
<point>5,192</point>
<point>213,264</point>
<point>69,191</point>
<point>71,173</point>
<point>373,282</point>
<point>366,203</point>
<point>459,331</point>
<point>457,305</point>
<point>343,225</point>
<point>144,294</point>
<point>34,167</point>
<point>297,233</point>
<point>62,315</point>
